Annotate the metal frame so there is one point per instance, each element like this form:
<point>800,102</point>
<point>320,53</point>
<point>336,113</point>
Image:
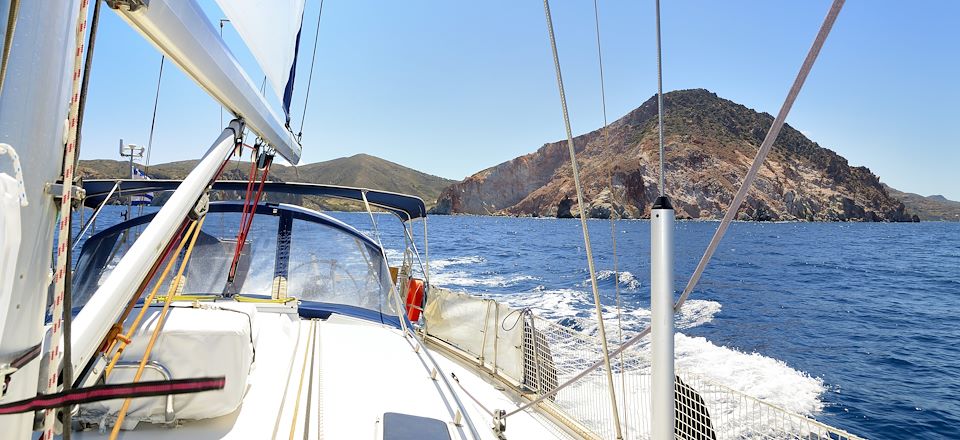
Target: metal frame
<point>170,414</point>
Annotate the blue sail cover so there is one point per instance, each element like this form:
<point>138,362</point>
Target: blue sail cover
<point>404,206</point>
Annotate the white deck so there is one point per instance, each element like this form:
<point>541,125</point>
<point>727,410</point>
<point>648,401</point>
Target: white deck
<point>338,383</point>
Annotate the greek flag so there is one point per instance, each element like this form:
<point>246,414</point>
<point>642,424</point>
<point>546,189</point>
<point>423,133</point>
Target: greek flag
<point>145,198</point>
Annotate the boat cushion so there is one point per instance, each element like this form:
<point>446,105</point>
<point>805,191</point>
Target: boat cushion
<point>210,341</point>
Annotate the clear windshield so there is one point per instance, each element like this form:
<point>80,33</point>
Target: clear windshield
<point>287,253</point>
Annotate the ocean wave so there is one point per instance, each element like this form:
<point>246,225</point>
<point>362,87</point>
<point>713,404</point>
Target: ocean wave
<point>765,378</point>
<point>624,278</point>
<point>576,309</point>
<point>762,377</point>
<point>464,279</point>
<point>456,261</point>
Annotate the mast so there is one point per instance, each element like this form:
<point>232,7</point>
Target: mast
<point>34,105</point>
<point>661,289</point>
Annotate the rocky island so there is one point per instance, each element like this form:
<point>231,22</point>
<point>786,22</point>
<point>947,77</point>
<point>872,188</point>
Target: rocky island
<point>711,143</point>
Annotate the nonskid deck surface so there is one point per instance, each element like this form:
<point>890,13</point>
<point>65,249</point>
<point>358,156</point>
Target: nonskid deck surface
<point>336,379</point>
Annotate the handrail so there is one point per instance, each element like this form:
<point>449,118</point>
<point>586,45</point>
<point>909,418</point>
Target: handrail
<point>86,227</point>
<point>169,415</point>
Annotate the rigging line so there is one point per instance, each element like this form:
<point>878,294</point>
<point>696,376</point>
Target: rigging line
<point>583,220</point>
<point>663,182</point>
<point>613,222</point>
<point>109,341</point>
<point>308,353</point>
<point>248,222</point>
<point>60,288</point>
<point>12,15</point>
<point>126,339</point>
<point>794,90</point>
<point>616,286</point>
<point>313,61</point>
<point>85,82</point>
<point>161,318</point>
<point>393,290</point>
<point>764,148</point>
<point>153,120</point>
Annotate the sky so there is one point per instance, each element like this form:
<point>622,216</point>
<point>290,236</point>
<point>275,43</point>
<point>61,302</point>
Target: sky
<point>453,87</point>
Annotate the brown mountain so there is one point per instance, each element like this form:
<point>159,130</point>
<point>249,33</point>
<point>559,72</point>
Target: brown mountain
<point>928,208</point>
<point>710,144</point>
<point>360,170</point>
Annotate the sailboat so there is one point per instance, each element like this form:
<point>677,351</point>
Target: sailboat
<point>304,328</point>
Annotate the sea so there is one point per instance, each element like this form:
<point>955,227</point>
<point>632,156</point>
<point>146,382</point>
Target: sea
<point>855,323</point>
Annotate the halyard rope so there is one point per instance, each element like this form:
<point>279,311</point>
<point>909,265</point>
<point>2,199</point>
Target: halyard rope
<point>583,220</point>
<point>63,238</point>
<point>748,181</point>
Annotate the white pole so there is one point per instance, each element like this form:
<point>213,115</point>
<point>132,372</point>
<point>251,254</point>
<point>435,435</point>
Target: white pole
<point>106,304</point>
<point>661,308</point>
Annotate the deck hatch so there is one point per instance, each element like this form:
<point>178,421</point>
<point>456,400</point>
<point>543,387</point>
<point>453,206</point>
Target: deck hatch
<point>398,426</point>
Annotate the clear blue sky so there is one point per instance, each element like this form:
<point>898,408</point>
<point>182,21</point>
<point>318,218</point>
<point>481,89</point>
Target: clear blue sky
<point>451,87</point>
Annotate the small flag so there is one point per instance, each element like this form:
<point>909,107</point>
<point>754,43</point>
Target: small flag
<point>142,199</point>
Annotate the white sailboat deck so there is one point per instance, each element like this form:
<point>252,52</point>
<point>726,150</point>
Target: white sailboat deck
<point>336,378</point>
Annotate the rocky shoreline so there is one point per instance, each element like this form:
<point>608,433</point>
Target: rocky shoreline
<point>711,143</point>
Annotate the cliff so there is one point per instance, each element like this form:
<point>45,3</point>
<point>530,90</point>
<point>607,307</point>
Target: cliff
<point>711,143</point>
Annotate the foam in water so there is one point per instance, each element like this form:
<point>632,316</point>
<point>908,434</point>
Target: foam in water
<point>463,278</point>
<point>625,279</point>
<point>753,374</point>
<point>756,375</point>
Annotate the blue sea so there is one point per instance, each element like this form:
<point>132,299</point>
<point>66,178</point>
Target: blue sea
<point>857,322</point>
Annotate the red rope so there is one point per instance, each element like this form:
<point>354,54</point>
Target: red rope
<point>246,219</point>
<point>246,200</point>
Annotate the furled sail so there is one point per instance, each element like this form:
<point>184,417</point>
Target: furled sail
<point>271,30</point>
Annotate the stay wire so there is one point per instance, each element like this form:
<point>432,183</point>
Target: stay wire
<point>583,221</point>
<point>663,182</point>
<point>153,119</point>
<point>613,213</point>
<point>734,207</point>
<point>313,60</point>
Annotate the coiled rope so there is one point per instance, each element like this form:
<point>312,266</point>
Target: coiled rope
<point>734,206</point>
<point>583,221</point>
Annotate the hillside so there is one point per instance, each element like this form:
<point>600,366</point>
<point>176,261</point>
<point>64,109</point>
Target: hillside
<point>711,143</point>
<point>928,208</point>
<point>360,170</point>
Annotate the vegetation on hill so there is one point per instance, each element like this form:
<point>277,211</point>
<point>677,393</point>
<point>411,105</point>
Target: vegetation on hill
<point>929,208</point>
<point>361,170</point>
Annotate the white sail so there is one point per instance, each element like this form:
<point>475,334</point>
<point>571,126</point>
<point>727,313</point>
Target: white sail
<point>181,30</point>
<point>271,30</point>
